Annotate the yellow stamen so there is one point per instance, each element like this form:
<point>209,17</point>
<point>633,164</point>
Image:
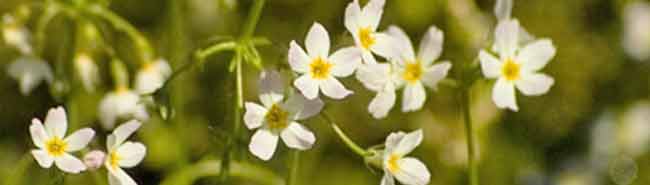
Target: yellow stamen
<point>114,159</point>
<point>365,36</point>
<point>276,118</point>
<point>319,68</point>
<point>413,72</point>
<point>56,146</point>
<point>393,163</point>
<point>510,70</point>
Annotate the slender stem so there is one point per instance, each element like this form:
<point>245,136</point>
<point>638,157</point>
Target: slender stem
<point>348,142</point>
<point>469,133</point>
<point>293,171</point>
<point>253,17</point>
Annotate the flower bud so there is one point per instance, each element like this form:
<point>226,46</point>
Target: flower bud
<point>94,159</point>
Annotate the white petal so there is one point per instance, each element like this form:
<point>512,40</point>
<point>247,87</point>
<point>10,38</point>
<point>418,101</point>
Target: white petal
<point>408,143</point>
<point>42,158</point>
<point>345,61</point>
<point>435,73</point>
<point>368,58</point>
<point>507,38</point>
<point>403,43</point>
<point>318,41</point>
<point>431,45</point>
<point>79,139</point>
<point>536,55</point>
<point>393,140</point>
<point>131,154</point>
<point>534,84</point>
<point>39,135</point>
<point>254,115</point>
<point>120,104</point>
<point>298,59</point>
<point>382,103</point>
<point>121,133</point>
<point>352,16</point>
<point>412,172</point>
<point>503,9</point>
<point>490,65</point>
<point>371,13</point>
<point>298,137</point>
<point>120,177</point>
<point>302,108</point>
<point>56,122</point>
<point>87,70</point>
<point>414,97</point>
<point>271,87</point>
<point>503,95</point>
<point>374,76</point>
<point>30,72</point>
<point>307,86</point>
<point>384,45</point>
<point>387,179</point>
<point>332,88</point>
<point>152,77</point>
<point>69,163</point>
<point>263,144</point>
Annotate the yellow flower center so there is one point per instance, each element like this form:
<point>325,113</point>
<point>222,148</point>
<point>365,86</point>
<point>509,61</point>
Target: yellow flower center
<point>365,36</point>
<point>510,70</point>
<point>393,163</point>
<point>276,118</point>
<point>148,67</point>
<point>114,159</point>
<point>319,68</point>
<point>56,146</point>
<point>413,72</point>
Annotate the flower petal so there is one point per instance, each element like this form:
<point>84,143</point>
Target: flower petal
<point>371,13</point>
<point>431,45</point>
<point>332,88</point>
<point>403,43</point>
<point>536,55</point>
<point>374,76</point>
<point>39,135</point>
<point>503,9</point>
<point>298,59</point>
<point>302,108</point>
<point>345,61</point>
<point>254,116</point>
<point>368,58</point>
<point>131,154</point>
<point>412,172</point>
<point>119,177</point>
<point>384,45</point>
<point>352,16</point>
<point>507,38</point>
<point>503,95</point>
<point>387,179</point>
<point>490,65</point>
<point>69,163</point>
<point>79,139</point>
<point>56,122</point>
<point>318,41</point>
<point>42,158</point>
<point>298,137</point>
<point>393,140</point>
<point>414,97</point>
<point>382,103</point>
<point>121,133</point>
<point>263,144</point>
<point>271,87</point>
<point>29,72</point>
<point>307,86</point>
<point>435,73</point>
<point>534,84</point>
<point>408,143</point>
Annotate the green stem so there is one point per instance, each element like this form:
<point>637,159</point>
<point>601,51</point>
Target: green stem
<point>469,133</point>
<point>253,18</point>
<point>348,142</point>
<point>293,171</point>
<point>50,11</point>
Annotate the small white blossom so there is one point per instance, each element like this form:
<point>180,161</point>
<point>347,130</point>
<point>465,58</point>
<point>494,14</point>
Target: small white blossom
<point>362,24</point>
<point>407,170</point>
<point>30,72</point>
<point>121,103</point>
<point>515,66</point>
<point>123,154</point>
<point>503,12</point>
<point>94,159</point>
<point>152,76</point>
<point>318,69</point>
<point>15,34</point>
<point>87,70</point>
<point>276,118</point>
<point>636,37</point>
<point>53,146</point>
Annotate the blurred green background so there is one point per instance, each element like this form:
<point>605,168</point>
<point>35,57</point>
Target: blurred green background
<point>570,136</point>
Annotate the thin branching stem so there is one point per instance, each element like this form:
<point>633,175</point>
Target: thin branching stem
<point>348,142</point>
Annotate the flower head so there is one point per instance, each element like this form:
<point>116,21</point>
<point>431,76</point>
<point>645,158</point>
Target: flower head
<point>123,154</point>
<point>407,170</point>
<point>277,118</point>
<point>318,69</point>
<point>121,103</point>
<point>362,24</point>
<point>53,146</point>
<point>636,22</point>
<point>152,76</point>
<point>87,70</point>
<point>30,72</point>
<point>515,66</point>
<point>15,34</point>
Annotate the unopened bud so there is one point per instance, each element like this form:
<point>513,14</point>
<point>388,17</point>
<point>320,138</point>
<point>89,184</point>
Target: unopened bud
<point>94,159</point>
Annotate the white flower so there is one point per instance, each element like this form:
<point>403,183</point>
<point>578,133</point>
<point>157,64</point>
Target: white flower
<point>503,12</point>
<point>318,69</point>
<point>276,119</point>
<point>87,70</point>
<point>636,22</point>
<point>152,76</point>
<point>123,154</point>
<point>634,130</point>
<point>515,66</point>
<point>362,24</point>
<point>30,72</point>
<point>54,146</point>
<point>409,70</point>
<point>121,103</point>
<point>94,159</point>
<point>15,34</point>
<point>407,170</point>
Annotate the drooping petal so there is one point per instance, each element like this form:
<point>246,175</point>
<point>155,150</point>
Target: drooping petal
<point>263,144</point>
<point>69,163</point>
<point>431,45</point>
<point>435,73</point>
<point>318,41</point>
<point>414,97</point>
<point>38,133</point>
<point>490,65</point>
<point>536,55</point>
<point>412,172</point>
<point>254,116</point>
<point>298,59</point>
<point>298,137</point>
<point>532,84</point>
<point>352,17</point>
<point>393,140</point>
<point>374,76</point>
<point>56,122</point>
<point>503,9</point>
<point>384,45</point>
<point>371,13</point>
<point>332,88</point>
<point>152,77</point>
<point>131,154</point>
<point>503,95</point>
<point>403,44</point>
<point>121,133</point>
<point>387,179</point>
<point>121,104</point>
<point>382,103</point>
<point>302,108</point>
<point>119,177</point>
<point>408,143</point>
<point>345,61</point>
<point>271,87</point>
<point>42,158</point>
<point>30,72</point>
<point>307,86</point>
<point>507,38</point>
<point>79,139</point>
